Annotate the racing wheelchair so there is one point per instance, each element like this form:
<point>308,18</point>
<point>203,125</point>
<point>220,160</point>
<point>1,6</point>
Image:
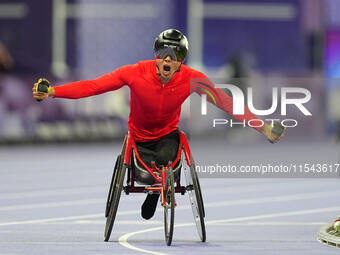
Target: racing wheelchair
<point>164,180</point>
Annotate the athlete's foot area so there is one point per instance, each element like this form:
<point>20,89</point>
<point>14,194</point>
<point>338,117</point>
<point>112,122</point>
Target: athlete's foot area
<point>149,206</point>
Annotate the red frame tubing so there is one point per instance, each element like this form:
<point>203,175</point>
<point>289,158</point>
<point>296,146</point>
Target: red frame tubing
<point>184,143</point>
<point>128,148</point>
<point>130,145</point>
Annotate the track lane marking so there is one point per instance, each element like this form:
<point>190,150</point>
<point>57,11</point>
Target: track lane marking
<point>37,221</point>
<point>123,240</point>
<point>53,204</point>
<point>294,197</point>
<point>301,196</point>
<point>51,192</point>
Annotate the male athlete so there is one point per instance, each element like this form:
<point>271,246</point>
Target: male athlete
<point>158,89</point>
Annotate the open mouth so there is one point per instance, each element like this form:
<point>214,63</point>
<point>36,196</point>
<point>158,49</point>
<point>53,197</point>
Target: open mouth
<point>166,69</point>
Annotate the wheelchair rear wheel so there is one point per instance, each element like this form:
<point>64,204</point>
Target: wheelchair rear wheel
<point>114,196</point>
<point>113,180</point>
<point>169,209</point>
<point>196,200</point>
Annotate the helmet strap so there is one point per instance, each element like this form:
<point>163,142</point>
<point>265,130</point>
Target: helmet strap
<point>179,68</point>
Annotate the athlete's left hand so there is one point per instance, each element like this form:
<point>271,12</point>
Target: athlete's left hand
<point>274,132</point>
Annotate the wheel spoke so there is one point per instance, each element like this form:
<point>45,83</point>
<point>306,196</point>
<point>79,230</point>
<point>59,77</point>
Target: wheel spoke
<point>196,201</point>
<point>114,197</point>
<point>169,207</point>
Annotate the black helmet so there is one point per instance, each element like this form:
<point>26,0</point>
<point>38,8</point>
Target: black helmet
<point>171,43</point>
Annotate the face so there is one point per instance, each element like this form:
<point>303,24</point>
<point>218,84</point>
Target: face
<point>166,68</point>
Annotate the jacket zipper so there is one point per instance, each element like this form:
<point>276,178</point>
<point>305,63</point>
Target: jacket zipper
<point>161,102</point>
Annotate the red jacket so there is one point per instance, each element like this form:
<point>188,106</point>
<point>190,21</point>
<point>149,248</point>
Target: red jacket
<point>154,108</point>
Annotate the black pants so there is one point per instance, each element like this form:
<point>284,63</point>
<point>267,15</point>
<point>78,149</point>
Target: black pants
<point>161,151</point>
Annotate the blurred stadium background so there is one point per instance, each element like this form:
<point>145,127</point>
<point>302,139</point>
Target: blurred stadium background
<point>257,43</point>
<point>266,43</point>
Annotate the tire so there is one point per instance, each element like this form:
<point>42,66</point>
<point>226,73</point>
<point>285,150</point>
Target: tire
<point>169,207</point>
<point>113,181</point>
<point>194,173</point>
<point>115,192</point>
<point>196,201</point>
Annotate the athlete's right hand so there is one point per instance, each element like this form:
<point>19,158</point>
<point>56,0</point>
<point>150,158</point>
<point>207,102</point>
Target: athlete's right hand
<point>42,90</point>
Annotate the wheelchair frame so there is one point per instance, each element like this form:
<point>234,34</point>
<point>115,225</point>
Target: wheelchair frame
<point>164,184</point>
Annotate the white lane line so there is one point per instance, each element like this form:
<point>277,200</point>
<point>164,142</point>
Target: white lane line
<point>274,215</point>
<point>97,189</point>
<point>160,223</point>
<point>271,199</point>
<point>79,217</point>
<point>120,222</point>
<point>244,188</point>
<point>123,240</point>
<point>53,204</point>
<point>215,204</point>
<point>80,202</point>
<point>274,223</point>
<point>24,222</point>
<point>301,196</point>
<point>52,192</point>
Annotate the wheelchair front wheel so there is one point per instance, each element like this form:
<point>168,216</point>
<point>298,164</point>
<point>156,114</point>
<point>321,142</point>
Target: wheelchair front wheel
<point>169,207</point>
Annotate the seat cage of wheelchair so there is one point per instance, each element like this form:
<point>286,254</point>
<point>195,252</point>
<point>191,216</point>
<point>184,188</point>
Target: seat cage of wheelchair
<point>160,180</point>
<point>158,173</point>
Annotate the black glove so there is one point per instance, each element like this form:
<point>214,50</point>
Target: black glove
<point>277,129</point>
<point>43,86</point>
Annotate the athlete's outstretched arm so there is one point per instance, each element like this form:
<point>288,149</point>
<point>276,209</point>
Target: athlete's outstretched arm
<point>79,89</point>
<point>220,99</point>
